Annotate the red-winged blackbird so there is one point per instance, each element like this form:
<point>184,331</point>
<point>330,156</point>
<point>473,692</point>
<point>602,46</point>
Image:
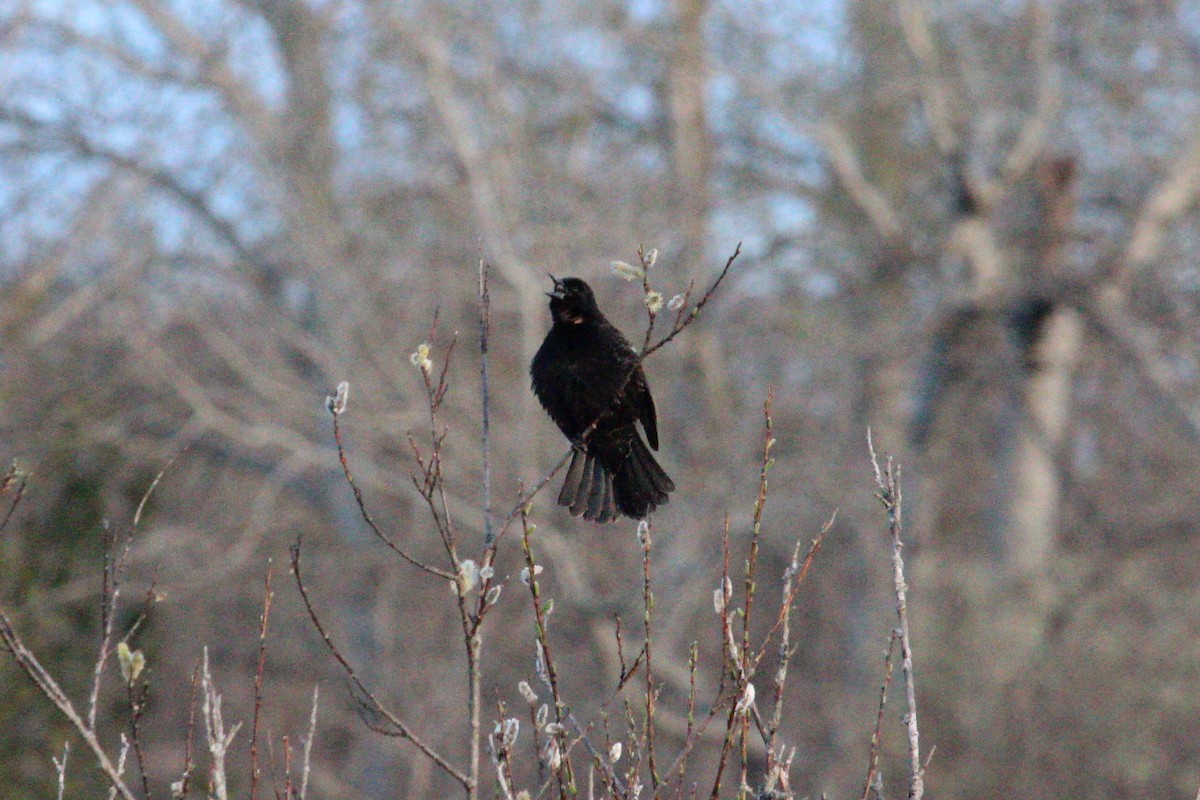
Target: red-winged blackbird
<point>586,371</point>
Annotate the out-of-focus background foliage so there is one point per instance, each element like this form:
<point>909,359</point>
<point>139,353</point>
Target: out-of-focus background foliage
<point>969,225</point>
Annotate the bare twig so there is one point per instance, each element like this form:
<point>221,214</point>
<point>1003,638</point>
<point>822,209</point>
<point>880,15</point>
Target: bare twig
<point>793,576</point>
<point>308,743</point>
<point>110,594</point>
<point>362,508</point>
<point>398,726</point>
<point>214,728</point>
<point>876,734</point>
<point>682,321</point>
<point>12,475</point>
<point>179,789</point>
<point>889,494</point>
<point>268,594</point>
<point>46,684</point>
<point>644,530</point>
<point>432,488</point>
<point>732,660</point>
<point>114,570</point>
<point>60,769</point>
<point>137,706</point>
<point>544,662</point>
<point>485,322</point>
<point>122,755</point>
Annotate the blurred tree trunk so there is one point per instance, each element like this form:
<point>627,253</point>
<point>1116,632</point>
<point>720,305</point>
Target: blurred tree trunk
<point>691,140</point>
<point>691,153</point>
<point>305,161</point>
<point>1037,482</point>
<point>1049,359</point>
<point>884,302</point>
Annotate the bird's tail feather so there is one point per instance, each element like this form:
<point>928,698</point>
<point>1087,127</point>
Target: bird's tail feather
<point>637,486</point>
<point>640,485</point>
<point>570,487</point>
<point>588,489</point>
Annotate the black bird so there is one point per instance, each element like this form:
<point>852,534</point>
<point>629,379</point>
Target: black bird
<point>586,371</point>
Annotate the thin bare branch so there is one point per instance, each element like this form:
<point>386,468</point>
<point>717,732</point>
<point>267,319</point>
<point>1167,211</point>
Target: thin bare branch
<point>46,684</point>
<point>877,733</point>
<point>268,594</point>
<point>485,323</point>
<point>398,726</point>
<point>308,743</point>
<point>366,515</point>
<point>219,738</point>
<point>890,495</point>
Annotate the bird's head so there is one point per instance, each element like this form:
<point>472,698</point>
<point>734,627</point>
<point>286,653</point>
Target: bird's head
<point>572,301</point>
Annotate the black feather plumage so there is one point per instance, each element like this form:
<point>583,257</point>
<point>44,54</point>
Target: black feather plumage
<point>586,370</point>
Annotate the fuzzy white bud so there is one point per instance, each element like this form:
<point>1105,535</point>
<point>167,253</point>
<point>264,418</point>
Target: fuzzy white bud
<point>336,403</point>
<point>526,691</point>
<point>508,736</point>
<point>132,662</point>
<point>468,574</point>
<point>552,755</point>
<point>420,358</point>
<point>627,271</point>
<point>537,570</point>
<point>614,753</point>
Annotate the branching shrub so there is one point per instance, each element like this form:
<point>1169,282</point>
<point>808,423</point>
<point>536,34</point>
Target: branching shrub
<point>534,742</point>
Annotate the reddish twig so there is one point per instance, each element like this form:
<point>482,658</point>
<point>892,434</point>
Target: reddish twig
<point>793,576</point>
<point>22,481</point>
<point>485,325</point>
<point>399,727</point>
<point>137,706</point>
<point>186,778</point>
<point>268,594</point>
<point>644,535</point>
<point>361,503</point>
<point>545,661</point>
<point>876,734</point>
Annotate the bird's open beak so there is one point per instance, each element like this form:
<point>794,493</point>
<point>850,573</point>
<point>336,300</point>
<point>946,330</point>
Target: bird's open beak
<point>558,293</point>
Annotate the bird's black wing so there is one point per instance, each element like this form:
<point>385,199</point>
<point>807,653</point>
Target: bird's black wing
<point>638,392</point>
